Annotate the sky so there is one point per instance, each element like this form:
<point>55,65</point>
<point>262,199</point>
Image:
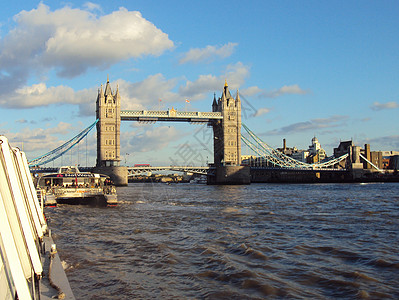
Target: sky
<point>328,69</point>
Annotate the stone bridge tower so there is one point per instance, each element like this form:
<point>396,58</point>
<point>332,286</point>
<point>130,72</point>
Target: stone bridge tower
<point>227,133</point>
<point>227,141</point>
<point>108,113</point>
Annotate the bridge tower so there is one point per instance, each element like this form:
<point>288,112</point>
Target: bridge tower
<point>108,112</point>
<point>227,141</point>
<point>227,133</point>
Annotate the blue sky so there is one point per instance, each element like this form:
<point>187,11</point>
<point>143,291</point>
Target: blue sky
<point>328,69</point>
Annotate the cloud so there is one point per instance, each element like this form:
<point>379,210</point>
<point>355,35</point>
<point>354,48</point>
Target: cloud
<point>380,106</point>
<point>251,91</point>
<point>39,94</point>
<point>234,75</point>
<point>144,94</point>
<point>384,143</point>
<point>92,6</point>
<point>286,89</point>
<point>62,128</point>
<point>294,89</point>
<point>261,111</point>
<point>208,54</point>
<point>321,123</point>
<point>150,138</point>
<point>70,41</point>
<point>33,139</point>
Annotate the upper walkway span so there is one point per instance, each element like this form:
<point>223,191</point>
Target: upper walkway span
<point>170,115</point>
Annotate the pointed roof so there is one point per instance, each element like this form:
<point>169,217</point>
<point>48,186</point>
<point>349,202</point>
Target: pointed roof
<point>238,96</point>
<point>226,92</point>
<point>214,100</point>
<point>108,91</point>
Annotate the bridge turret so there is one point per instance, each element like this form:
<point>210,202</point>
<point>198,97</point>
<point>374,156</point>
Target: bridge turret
<point>227,140</point>
<point>108,135</point>
<point>227,143</point>
<point>108,127</point>
<point>214,104</point>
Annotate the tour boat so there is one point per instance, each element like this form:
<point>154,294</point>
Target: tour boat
<point>70,186</point>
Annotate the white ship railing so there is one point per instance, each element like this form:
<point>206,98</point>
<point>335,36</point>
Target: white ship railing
<point>22,226</point>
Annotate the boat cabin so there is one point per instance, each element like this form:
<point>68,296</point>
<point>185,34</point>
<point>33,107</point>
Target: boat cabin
<point>71,177</point>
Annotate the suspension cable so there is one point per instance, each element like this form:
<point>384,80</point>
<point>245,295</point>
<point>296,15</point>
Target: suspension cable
<point>59,151</point>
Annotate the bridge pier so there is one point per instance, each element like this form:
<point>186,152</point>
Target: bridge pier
<point>118,174</point>
<point>230,175</point>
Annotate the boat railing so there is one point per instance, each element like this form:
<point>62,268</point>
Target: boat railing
<point>40,193</point>
<point>58,190</point>
<point>22,226</point>
<point>26,246</point>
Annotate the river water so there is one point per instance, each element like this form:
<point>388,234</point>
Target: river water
<point>192,241</point>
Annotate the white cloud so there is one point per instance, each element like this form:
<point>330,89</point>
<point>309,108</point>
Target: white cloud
<point>144,94</point>
<point>204,84</point>
<point>147,139</point>
<point>208,54</point>
<point>253,90</point>
<point>62,128</point>
<point>92,6</point>
<point>294,89</point>
<point>234,75</point>
<point>261,111</point>
<point>40,95</point>
<point>286,89</point>
<point>41,140</point>
<point>380,106</point>
<point>147,93</point>
<point>73,40</point>
<point>383,143</point>
<point>311,125</point>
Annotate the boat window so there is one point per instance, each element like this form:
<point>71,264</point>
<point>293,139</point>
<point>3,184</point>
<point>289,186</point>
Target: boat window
<point>57,181</point>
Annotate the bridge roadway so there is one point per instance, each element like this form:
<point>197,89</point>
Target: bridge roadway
<point>196,170</point>
<point>209,170</point>
<point>171,115</point>
<point>138,170</point>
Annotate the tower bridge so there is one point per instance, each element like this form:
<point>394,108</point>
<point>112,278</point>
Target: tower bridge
<point>225,120</point>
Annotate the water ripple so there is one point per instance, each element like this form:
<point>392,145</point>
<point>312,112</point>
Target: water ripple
<point>234,242</point>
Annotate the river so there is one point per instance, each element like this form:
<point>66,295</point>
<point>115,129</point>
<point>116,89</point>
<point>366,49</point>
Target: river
<point>193,241</point>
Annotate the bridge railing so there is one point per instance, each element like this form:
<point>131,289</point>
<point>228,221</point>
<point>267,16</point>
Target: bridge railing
<point>197,170</point>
